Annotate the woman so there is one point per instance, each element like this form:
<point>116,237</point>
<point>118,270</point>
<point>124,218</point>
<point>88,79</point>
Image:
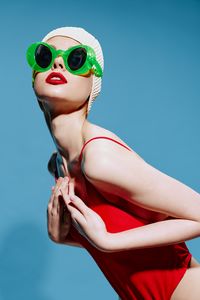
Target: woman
<point>132,218</point>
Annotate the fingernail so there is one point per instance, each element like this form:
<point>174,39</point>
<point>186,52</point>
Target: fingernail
<point>72,198</point>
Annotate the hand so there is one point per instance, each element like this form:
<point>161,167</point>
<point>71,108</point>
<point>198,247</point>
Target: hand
<point>88,222</point>
<point>58,216</point>
<point>66,196</point>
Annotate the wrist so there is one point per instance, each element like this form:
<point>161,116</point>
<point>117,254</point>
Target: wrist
<point>109,243</point>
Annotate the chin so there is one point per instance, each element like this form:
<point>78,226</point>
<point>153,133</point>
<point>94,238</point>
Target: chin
<point>53,100</point>
<point>52,92</point>
<point>67,93</point>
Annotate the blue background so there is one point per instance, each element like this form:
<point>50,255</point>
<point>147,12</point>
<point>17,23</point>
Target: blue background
<point>151,101</point>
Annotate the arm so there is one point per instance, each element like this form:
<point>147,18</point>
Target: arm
<point>136,181</point>
<point>155,235</point>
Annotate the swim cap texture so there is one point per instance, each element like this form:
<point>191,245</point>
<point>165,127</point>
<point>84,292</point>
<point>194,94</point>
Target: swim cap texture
<point>82,36</point>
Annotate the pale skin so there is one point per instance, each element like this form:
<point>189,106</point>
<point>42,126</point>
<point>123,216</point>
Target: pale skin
<point>151,194</point>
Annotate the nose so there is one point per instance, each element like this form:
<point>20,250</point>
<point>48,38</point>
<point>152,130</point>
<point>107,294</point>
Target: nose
<point>58,63</point>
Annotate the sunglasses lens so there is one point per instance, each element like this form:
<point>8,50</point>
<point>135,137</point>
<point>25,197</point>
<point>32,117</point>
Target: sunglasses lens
<point>77,58</point>
<point>43,56</point>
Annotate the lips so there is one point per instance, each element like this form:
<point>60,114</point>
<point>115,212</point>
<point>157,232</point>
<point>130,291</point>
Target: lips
<point>56,78</point>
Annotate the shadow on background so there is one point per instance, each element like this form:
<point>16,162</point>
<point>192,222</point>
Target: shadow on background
<point>22,261</point>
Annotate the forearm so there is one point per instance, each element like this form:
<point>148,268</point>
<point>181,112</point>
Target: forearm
<point>154,235</point>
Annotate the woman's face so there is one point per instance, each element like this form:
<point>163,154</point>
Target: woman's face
<point>68,96</point>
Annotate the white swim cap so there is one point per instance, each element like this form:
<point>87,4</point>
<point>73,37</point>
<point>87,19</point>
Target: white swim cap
<point>83,37</point>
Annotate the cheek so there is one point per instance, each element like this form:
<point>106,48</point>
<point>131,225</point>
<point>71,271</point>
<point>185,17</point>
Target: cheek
<point>39,83</point>
<point>81,86</point>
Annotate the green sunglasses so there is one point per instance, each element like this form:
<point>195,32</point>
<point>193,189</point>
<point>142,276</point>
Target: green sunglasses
<point>78,59</point>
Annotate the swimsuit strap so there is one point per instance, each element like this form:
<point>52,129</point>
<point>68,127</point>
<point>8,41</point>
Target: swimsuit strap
<point>100,137</point>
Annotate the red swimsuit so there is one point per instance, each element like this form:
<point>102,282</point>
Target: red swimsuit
<point>141,274</point>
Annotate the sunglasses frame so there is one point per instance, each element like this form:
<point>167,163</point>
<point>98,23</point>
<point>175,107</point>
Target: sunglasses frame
<point>90,64</point>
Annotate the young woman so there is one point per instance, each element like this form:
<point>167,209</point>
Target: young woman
<point>132,218</point>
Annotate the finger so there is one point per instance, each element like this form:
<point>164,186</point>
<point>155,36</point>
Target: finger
<point>63,192</point>
<point>64,184</point>
<point>49,208</point>
<point>64,189</point>
<point>59,182</point>
<point>78,202</point>
<point>65,195</point>
<point>71,188</point>
<point>55,189</point>
<point>57,193</point>
<point>77,215</point>
<point>56,202</point>
<point>51,198</point>
<point>55,199</point>
<point>63,199</point>
<point>51,203</point>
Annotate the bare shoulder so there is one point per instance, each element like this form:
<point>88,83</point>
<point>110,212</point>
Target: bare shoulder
<point>102,146</point>
<point>102,155</point>
<point>92,130</point>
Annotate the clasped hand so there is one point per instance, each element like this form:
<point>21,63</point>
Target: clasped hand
<point>87,222</point>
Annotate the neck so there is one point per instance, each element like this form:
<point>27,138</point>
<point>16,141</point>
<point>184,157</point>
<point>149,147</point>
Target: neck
<point>67,132</point>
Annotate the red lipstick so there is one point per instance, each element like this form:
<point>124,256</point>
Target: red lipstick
<point>56,78</point>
